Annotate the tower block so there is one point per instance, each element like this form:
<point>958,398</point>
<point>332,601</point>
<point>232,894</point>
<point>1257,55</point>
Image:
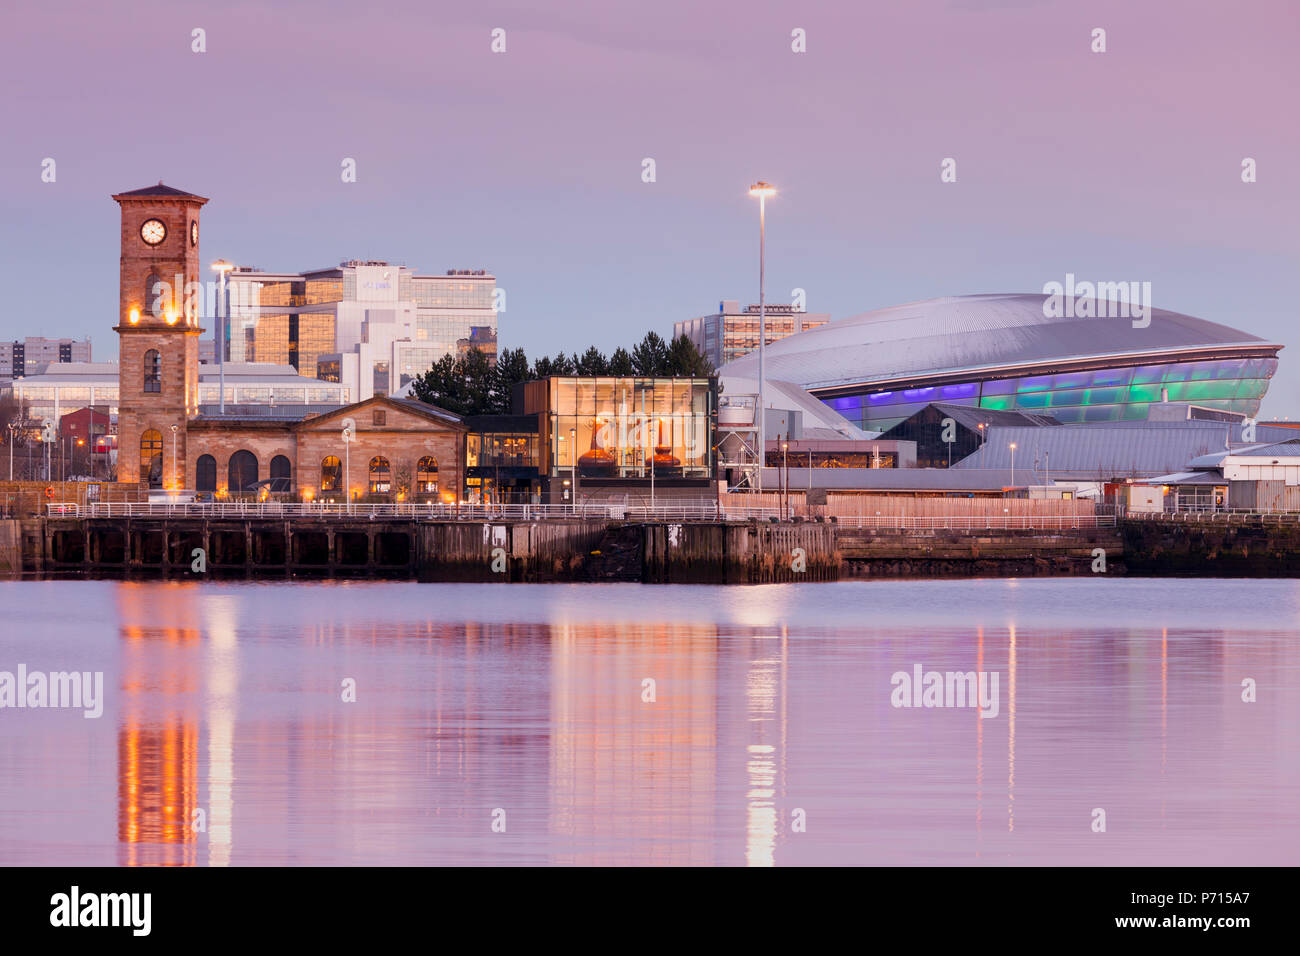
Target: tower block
<point>158,333</point>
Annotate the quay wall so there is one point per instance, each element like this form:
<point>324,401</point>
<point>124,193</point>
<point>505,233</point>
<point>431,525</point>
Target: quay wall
<point>996,552</point>
<point>1218,546</point>
<point>586,549</point>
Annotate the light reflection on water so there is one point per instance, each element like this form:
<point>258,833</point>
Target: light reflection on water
<point>771,738</point>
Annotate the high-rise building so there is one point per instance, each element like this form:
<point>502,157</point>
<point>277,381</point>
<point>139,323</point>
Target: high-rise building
<point>730,332</point>
<point>34,354</point>
<point>368,324</point>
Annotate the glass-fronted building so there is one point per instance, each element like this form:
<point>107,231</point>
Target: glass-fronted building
<point>1007,353</point>
<point>622,427</point>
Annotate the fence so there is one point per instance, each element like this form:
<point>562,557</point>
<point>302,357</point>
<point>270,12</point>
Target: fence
<point>680,511</point>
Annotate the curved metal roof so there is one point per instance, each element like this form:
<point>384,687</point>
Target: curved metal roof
<point>976,333</point>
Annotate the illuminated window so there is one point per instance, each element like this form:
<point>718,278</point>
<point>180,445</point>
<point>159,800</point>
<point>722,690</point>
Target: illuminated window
<point>426,475</point>
<point>151,458</point>
<point>331,474</point>
<point>381,476</point>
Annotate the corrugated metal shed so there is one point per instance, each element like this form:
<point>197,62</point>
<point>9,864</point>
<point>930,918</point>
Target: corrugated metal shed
<point>1098,451</point>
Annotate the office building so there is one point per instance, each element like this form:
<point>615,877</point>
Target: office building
<point>729,333</point>
<point>34,354</point>
<point>368,324</point>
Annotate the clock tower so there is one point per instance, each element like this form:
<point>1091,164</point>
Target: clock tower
<point>158,333</point>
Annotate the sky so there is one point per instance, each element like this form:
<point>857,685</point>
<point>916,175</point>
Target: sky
<point>1123,165</point>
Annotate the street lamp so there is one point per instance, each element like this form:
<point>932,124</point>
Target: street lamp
<point>12,430</point>
<point>175,429</point>
<point>1013,464</point>
<point>573,464</point>
<point>980,426</point>
<point>785,478</point>
<point>762,190</point>
<point>222,266</point>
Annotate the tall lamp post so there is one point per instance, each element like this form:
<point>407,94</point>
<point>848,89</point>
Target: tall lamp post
<point>349,436</point>
<point>762,190</point>
<point>12,431</point>
<point>222,266</point>
<point>175,429</point>
<point>573,465</point>
<point>1013,464</point>
<point>785,479</point>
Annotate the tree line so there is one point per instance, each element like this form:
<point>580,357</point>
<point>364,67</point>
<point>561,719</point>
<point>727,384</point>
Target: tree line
<point>470,385</point>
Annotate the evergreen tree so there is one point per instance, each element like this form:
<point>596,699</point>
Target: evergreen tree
<point>620,362</point>
<point>650,356</point>
<point>512,368</point>
<point>686,360</point>
<point>592,362</point>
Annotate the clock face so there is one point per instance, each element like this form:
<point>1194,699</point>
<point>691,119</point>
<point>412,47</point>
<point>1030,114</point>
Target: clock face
<point>194,232</point>
<point>153,231</point>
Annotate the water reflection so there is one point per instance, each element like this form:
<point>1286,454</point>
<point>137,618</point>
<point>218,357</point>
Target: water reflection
<point>627,725</point>
<point>158,737</point>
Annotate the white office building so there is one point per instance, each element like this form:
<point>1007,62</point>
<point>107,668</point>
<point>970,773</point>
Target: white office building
<point>368,325</point>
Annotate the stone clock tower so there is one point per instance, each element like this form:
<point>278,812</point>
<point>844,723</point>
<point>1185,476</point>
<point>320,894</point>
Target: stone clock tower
<point>158,333</point>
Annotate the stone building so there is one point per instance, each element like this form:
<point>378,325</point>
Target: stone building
<point>401,449</point>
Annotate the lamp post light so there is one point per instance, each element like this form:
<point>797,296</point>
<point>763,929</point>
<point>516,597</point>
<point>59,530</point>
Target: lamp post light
<point>1013,464</point>
<point>980,426</point>
<point>175,429</point>
<point>762,190</point>
<point>222,266</point>
<point>349,435</point>
<point>12,433</point>
<point>785,478</point>
<point>573,465</point>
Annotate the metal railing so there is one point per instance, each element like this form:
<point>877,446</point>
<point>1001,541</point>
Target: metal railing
<point>975,522</point>
<point>696,511</point>
<point>431,511</point>
<point>1222,516</point>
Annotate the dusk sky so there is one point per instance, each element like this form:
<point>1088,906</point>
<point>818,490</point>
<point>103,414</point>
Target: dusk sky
<point>1115,166</point>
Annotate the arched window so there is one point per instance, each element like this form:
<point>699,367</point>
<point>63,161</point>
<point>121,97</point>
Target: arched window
<point>153,371</point>
<point>381,476</point>
<point>205,473</point>
<point>426,476</point>
<point>151,458</point>
<point>331,474</point>
<point>280,474</point>
<point>242,472</point>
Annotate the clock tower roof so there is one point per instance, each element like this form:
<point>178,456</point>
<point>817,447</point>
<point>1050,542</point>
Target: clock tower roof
<point>159,192</point>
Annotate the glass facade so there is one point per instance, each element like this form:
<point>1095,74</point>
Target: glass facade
<point>623,427</point>
<point>1099,395</point>
<point>501,450</point>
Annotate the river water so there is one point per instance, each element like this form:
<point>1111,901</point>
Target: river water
<point>402,723</point>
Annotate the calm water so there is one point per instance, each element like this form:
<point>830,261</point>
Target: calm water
<point>771,705</point>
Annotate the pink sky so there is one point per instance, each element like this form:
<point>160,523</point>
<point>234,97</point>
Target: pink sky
<point>1116,166</point>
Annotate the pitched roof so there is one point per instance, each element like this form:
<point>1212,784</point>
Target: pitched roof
<point>159,190</point>
<point>423,409</point>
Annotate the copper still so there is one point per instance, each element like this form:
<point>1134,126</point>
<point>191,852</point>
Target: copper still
<point>597,462</point>
<point>664,461</point>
